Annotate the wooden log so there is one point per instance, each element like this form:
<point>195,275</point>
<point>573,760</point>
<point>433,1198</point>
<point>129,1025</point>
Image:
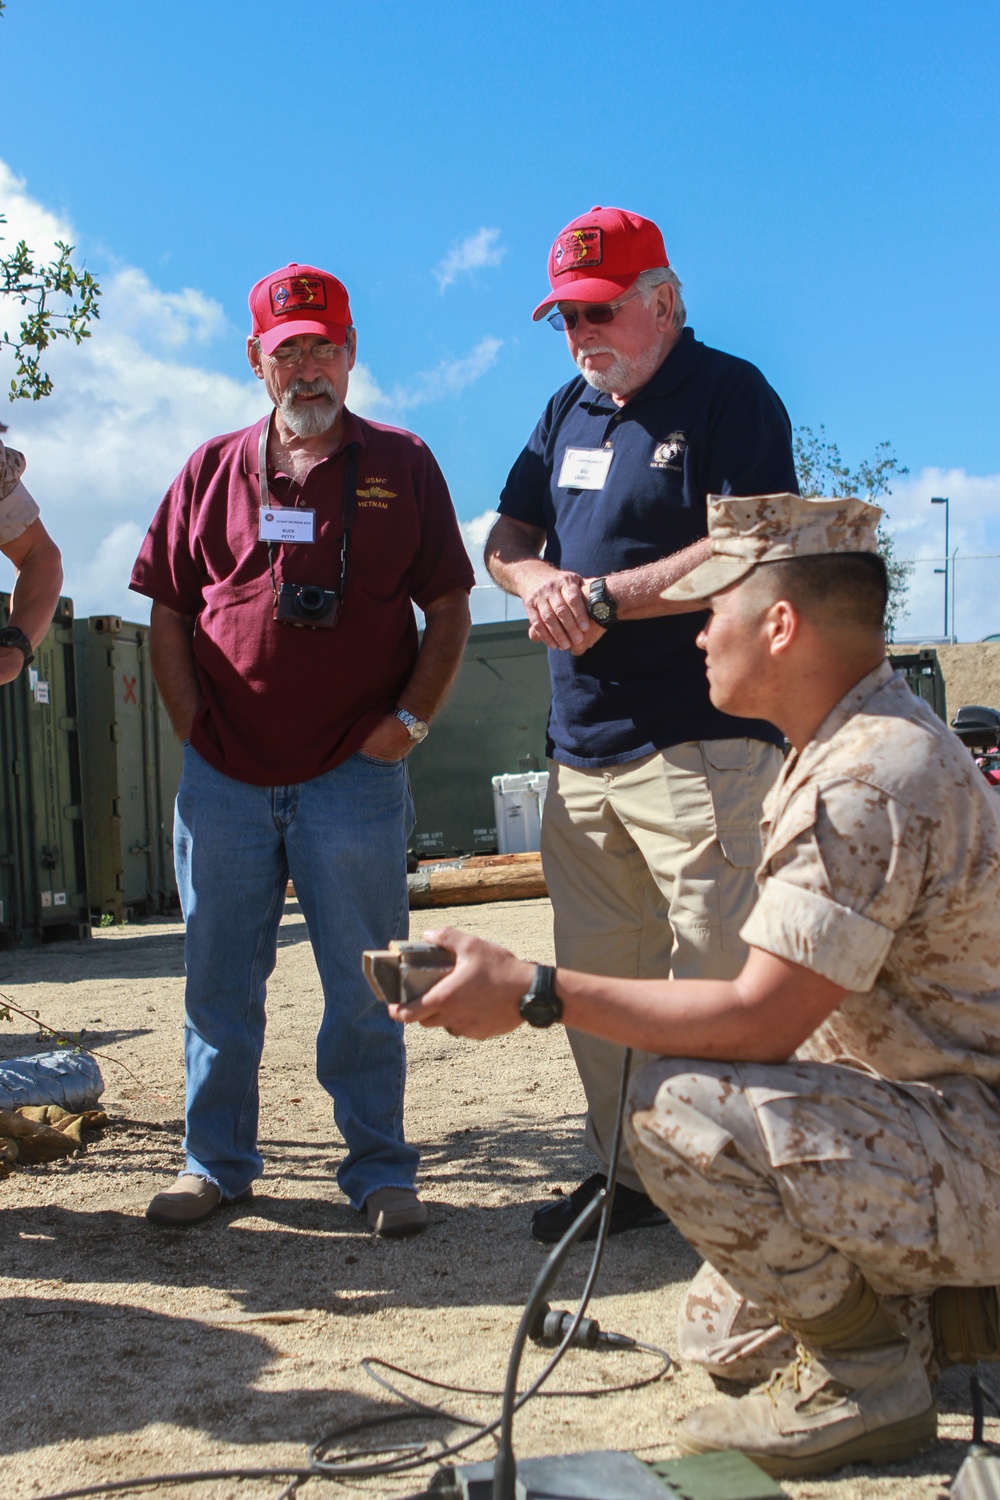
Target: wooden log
<point>466,886</point>
<point>483,861</point>
<point>471,878</point>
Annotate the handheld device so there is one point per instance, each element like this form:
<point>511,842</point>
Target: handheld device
<point>404,972</point>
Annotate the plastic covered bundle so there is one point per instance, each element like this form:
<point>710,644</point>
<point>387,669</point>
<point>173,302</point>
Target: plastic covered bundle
<point>70,1079</point>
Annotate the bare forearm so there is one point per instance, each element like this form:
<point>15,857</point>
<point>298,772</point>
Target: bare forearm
<point>637,592</point>
<point>760,1016</point>
<point>171,649</point>
<point>512,557</point>
<point>446,629</point>
<point>705,1018</point>
<point>39,580</point>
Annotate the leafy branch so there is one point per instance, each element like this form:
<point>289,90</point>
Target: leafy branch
<point>33,284</point>
<point>822,471</point>
<point>8,1010</point>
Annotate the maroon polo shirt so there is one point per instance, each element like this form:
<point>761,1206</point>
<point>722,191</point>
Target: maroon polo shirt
<point>282,704</point>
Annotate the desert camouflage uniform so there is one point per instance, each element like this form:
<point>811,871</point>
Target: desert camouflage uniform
<point>878,1145</point>
<point>17,509</point>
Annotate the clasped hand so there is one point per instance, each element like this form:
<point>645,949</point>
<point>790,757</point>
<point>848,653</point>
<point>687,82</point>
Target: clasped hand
<point>557,613</point>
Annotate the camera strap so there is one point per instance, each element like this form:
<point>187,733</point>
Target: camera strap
<point>349,508</point>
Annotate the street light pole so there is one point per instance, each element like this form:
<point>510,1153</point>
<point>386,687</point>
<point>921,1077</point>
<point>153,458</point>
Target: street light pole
<point>943,500</point>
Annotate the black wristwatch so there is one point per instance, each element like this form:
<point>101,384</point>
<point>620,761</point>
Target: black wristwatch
<point>12,638</point>
<point>601,608</point>
<point>541,1006</point>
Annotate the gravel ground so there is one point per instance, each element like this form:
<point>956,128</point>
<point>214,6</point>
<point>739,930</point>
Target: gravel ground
<point>131,1350</point>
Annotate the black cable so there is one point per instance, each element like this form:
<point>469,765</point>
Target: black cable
<point>579,1393</point>
<point>345,1466</point>
<point>978,1412</point>
<point>504,1465</point>
<point>601,1203</point>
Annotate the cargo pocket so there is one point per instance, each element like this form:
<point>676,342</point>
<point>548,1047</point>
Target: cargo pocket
<point>734,784</point>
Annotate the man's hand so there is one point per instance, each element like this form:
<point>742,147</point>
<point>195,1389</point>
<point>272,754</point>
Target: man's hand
<point>479,998</point>
<point>557,612</point>
<point>389,740</point>
<point>553,597</point>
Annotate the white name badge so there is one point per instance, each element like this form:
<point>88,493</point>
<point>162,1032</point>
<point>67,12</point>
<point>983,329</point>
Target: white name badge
<point>287,524</point>
<point>585,468</point>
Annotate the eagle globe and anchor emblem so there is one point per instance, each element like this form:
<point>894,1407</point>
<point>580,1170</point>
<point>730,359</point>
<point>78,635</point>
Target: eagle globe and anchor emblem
<point>669,453</point>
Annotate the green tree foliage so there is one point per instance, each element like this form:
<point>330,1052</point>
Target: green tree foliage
<point>822,471</point>
<point>53,301</point>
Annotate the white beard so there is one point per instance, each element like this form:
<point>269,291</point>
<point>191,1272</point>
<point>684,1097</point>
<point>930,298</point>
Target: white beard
<point>316,417</point>
<point>624,376</point>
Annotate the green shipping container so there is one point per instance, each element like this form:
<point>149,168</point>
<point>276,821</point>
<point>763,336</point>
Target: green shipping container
<point>494,722</point>
<point>43,869</point>
<point>924,677</point>
<point>131,769</point>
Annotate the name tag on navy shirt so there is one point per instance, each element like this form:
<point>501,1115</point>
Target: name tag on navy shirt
<point>287,524</point>
<point>585,468</point>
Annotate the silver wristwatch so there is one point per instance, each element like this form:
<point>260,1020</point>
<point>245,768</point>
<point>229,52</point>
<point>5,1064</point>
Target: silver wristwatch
<point>416,728</point>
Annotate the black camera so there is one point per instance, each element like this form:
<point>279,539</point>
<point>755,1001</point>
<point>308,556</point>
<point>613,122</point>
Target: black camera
<point>307,605</point>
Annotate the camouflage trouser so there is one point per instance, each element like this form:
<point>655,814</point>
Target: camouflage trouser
<point>732,1337</point>
<point>788,1178</point>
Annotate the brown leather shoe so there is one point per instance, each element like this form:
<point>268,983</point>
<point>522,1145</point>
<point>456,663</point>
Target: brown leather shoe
<point>395,1211</point>
<point>190,1200</point>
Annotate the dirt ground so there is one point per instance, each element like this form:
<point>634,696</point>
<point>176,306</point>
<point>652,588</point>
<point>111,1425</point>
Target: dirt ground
<point>130,1350</point>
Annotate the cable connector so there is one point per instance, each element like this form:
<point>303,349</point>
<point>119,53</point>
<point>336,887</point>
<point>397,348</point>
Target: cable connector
<point>552,1325</point>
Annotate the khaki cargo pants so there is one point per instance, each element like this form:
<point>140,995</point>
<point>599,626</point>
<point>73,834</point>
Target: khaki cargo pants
<point>650,868</point>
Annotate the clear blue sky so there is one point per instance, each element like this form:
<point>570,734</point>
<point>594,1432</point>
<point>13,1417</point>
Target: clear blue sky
<point>826,178</point>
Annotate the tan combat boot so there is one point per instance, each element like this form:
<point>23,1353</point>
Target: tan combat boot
<point>858,1393</point>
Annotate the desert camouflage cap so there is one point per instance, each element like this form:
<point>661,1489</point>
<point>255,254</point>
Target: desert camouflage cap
<point>12,466</point>
<point>751,529</point>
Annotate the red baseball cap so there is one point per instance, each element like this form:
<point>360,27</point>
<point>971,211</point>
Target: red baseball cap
<point>599,255</point>
<point>299,299</point>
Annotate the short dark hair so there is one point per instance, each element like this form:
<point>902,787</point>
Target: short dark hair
<point>844,588</point>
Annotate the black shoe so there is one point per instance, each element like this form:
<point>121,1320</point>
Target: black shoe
<point>630,1210</point>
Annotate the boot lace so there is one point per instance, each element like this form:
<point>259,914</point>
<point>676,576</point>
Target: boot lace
<point>790,1377</point>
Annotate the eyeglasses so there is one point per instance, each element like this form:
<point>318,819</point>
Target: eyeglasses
<point>604,312</point>
<point>291,354</point>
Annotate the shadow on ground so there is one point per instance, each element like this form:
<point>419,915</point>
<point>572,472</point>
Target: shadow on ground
<point>113,1346</point>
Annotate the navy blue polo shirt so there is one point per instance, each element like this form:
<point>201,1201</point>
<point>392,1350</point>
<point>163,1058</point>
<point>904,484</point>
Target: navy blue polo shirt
<point>705,424</point>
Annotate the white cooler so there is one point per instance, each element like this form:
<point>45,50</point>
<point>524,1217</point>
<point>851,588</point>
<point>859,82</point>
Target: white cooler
<point>518,803</point>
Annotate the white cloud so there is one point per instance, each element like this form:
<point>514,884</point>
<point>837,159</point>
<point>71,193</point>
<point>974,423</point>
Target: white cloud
<point>477,250</point>
<point>131,403</point>
<point>917,528</point>
<point>448,378</point>
<point>474,534</point>
<point>489,603</point>
<point>132,305</point>
<point>28,220</point>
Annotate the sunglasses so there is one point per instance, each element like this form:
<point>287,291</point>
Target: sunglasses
<point>603,312</point>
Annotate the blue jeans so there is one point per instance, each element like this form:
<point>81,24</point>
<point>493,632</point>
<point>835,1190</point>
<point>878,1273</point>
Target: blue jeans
<point>342,838</point>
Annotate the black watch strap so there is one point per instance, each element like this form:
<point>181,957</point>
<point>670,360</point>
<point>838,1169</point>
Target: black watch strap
<point>601,608</point>
<point>541,1006</point>
<point>14,639</point>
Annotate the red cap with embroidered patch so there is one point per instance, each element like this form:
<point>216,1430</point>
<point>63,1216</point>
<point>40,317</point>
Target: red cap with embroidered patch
<point>299,299</point>
<point>599,255</point>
